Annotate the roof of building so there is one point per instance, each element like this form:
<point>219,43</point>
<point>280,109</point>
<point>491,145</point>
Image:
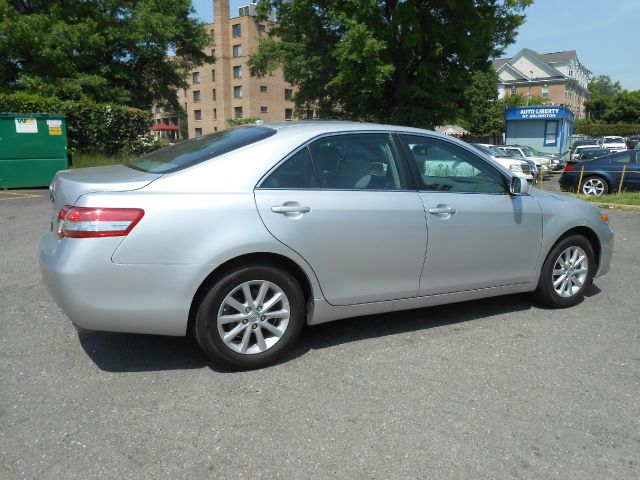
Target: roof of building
<point>553,57</point>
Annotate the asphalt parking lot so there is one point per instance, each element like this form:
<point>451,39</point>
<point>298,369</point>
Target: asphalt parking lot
<point>498,388</point>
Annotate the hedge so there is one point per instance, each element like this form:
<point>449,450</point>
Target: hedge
<point>91,126</point>
<point>601,129</point>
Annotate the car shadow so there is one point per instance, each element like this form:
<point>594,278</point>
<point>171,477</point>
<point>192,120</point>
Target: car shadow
<point>120,352</point>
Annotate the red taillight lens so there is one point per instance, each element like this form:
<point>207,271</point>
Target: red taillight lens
<point>84,222</point>
<point>569,167</point>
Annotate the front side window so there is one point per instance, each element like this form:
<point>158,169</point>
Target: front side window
<point>446,167</point>
<point>624,157</point>
<point>356,162</point>
<point>296,172</point>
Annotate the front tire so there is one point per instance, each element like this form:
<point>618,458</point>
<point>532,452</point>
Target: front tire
<point>566,273</point>
<point>594,186</point>
<point>250,317</point>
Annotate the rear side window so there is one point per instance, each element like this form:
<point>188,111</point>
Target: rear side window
<point>296,172</point>
<point>200,149</point>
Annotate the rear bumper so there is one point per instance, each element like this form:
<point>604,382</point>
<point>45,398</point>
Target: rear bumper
<point>97,294</point>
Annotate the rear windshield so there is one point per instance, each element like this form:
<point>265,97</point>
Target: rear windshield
<point>199,149</point>
<point>613,140</point>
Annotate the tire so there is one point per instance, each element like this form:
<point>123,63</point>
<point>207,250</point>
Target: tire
<point>594,186</point>
<point>241,333</point>
<point>572,256</point>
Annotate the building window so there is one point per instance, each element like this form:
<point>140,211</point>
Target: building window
<point>545,91</point>
<point>237,112</point>
<point>213,76</point>
<point>198,132</point>
<point>213,53</point>
<point>215,129</point>
<point>237,91</point>
<point>263,109</point>
<point>551,133</point>
<point>288,113</point>
<point>159,121</point>
<point>237,51</point>
<point>236,30</point>
<point>237,71</point>
<point>214,94</point>
<point>261,29</point>
<point>197,114</point>
<point>215,114</point>
<point>309,114</point>
<point>263,88</point>
<point>195,77</point>
<point>513,90</point>
<point>212,34</point>
<point>196,96</point>
<point>288,94</point>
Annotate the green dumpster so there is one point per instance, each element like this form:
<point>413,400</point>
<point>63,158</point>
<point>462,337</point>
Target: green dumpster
<point>33,147</point>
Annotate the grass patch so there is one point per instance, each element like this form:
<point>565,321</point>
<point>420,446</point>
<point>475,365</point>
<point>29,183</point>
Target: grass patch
<point>83,160</point>
<point>625,198</point>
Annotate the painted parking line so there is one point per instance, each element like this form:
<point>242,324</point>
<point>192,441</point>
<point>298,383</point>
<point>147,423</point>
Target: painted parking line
<point>19,195</point>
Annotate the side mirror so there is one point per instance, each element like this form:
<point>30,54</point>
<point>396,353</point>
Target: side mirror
<point>518,186</point>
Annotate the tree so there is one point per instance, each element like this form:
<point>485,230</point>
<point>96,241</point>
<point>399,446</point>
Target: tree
<point>397,61</point>
<point>103,50</point>
<point>603,86</point>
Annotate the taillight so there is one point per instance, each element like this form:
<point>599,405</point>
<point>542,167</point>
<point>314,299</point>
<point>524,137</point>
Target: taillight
<point>86,222</point>
<point>569,167</point>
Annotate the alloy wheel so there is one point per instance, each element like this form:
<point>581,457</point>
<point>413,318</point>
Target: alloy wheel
<point>570,271</point>
<point>593,186</point>
<point>253,317</point>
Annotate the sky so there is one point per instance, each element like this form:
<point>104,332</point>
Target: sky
<point>605,35</point>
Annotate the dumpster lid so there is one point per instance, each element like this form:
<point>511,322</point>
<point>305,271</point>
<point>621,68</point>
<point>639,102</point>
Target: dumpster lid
<point>31,115</point>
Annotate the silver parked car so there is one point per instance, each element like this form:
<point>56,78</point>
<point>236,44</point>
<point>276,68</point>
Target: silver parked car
<point>243,236</point>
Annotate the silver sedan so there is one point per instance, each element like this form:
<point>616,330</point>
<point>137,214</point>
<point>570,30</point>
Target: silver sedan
<point>243,236</point>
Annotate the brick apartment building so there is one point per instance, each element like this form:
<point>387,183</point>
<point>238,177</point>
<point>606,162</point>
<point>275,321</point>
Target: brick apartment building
<point>225,90</point>
<point>558,76</point>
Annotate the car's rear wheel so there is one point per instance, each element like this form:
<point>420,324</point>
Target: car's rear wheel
<point>250,317</point>
<point>594,186</point>
<point>566,273</point>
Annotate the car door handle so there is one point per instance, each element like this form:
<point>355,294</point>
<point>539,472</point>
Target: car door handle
<point>442,210</point>
<point>290,209</point>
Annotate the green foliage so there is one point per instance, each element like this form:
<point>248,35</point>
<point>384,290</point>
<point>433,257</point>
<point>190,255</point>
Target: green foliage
<point>601,129</point>
<point>108,51</point>
<point>234,122</point>
<point>91,127</point>
<point>399,62</point>
<point>610,104</point>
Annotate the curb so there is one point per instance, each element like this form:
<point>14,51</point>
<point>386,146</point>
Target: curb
<point>618,206</point>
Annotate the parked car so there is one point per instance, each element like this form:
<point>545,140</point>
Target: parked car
<point>614,143</point>
<point>603,174</point>
<point>582,141</point>
<point>543,163</point>
<point>589,153</point>
<point>576,151</point>
<point>632,142</point>
<point>241,237</point>
<point>519,168</point>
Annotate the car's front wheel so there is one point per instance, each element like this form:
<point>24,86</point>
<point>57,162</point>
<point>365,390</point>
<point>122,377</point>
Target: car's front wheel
<point>250,317</point>
<point>566,273</point>
<point>594,186</point>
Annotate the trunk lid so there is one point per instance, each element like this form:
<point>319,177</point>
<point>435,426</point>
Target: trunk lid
<point>69,185</point>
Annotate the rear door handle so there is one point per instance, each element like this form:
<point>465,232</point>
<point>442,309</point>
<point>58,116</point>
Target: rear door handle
<point>290,209</point>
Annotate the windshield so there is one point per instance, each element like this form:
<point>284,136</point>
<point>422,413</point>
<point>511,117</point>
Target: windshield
<point>199,149</point>
<point>496,152</point>
<point>613,140</point>
<point>528,152</point>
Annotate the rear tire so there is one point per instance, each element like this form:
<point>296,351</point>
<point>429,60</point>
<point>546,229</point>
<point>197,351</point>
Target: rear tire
<point>250,317</point>
<point>594,186</point>
<point>566,273</point>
